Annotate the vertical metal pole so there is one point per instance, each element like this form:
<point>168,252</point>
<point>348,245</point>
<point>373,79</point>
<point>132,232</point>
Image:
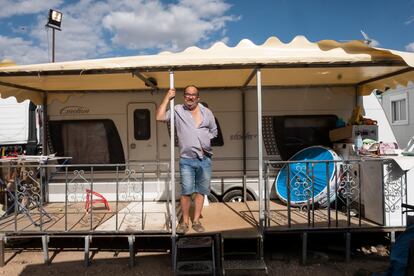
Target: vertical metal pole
<point>347,194</point>
<point>172,176</point>
<point>288,195</point>
<point>45,245</point>
<point>392,239</point>
<point>117,198</point>
<point>402,197</point>
<point>244,145</point>
<point>328,199</point>
<point>336,193</point>
<point>267,195</point>
<point>359,197</point>
<point>313,194</point>
<point>16,196</point>
<point>405,195</point>
<point>384,185</point>
<point>91,200</point>
<point>2,250</point>
<point>172,156</point>
<point>53,45</point>
<point>260,146</point>
<point>307,194</point>
<point>348,247</point>
<point>44,125</point>
<point>45,141</point>
<point>87,243</point>
<point>41,196</point>
<point>131,240</point>
<point>142,197</point>
<point>66,198</point>
<point>174,255</point>
<point>304,247</point>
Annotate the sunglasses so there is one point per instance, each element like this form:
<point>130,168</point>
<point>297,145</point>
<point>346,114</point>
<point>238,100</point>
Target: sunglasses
<point>188,95</point>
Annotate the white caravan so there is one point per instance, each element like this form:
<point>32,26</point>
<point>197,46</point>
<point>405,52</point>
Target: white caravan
<point>19,128</point>
<point>120,128</point>
<point>398,105</point>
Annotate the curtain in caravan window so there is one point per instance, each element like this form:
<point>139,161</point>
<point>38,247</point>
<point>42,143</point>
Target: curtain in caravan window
<point>85,142</point>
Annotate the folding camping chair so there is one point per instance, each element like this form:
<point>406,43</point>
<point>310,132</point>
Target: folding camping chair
<point>20,197</point>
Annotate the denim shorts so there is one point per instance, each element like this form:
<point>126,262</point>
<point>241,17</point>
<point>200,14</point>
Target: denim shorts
<point>195,175</point>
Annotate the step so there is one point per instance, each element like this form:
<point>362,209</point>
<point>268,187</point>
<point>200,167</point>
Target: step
<point>241,234</point>
<point>243,264</point>
<point>194,267</point>
<point>241,254</point>
<point>195,242</point>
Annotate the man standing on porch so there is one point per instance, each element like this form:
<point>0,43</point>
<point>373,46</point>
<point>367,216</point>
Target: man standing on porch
<point>196,126</point>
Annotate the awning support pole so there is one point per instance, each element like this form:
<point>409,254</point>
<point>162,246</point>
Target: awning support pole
<point>45,150</point>
<point>260,148</point>
<point>44,125</point>
<point>172,155</point>
<point>147,81</point>
<point>249,79</point>
<point>172,176</point>
<point>243,91</point>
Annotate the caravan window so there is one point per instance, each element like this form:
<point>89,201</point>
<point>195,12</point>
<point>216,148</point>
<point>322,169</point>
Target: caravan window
<point>87,141</point>
<point>399,109</point>
<point>296,132</point>
<point>142,124</point>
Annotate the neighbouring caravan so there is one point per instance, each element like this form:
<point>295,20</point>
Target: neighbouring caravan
<point>270,101</point>
<point>19,128</point>
<point>398,105</point>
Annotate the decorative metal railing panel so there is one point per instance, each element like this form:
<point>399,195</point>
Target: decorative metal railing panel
<point>350,202</point>
<point>76,187</point>
<point>86,198</point>
<point>394,187</point>
<point>349,187</point>
<point>301,184</point>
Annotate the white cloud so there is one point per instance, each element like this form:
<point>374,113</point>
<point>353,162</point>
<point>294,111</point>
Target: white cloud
<point>21,51</point>
<point>206,9</point>
<point>410,47</point>
<point>92,29</point>
<point>409,20</point>
<point>10,8</point>
<point>166,27</point>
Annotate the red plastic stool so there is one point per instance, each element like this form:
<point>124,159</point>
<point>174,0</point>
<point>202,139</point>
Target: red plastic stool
<point>90,201</point>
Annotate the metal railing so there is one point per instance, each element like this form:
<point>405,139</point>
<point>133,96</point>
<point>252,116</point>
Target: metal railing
<point>45,198</point>
<point>42,198</point>
<point>356,193</point>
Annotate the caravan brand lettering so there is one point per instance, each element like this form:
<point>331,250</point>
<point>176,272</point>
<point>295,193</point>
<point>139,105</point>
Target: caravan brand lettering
<point>68,110</point>
<point>239,136</point>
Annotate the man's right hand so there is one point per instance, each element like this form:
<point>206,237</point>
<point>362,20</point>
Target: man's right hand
<point>171,94</point>
<point>162,109</point>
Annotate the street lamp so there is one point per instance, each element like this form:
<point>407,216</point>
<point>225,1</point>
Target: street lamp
<point>54,22</point>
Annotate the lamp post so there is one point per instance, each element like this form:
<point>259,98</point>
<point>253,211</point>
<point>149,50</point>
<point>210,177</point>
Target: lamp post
<point>54,22</point>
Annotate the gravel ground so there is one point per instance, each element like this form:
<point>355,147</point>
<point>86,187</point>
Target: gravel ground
<point>29,262</point>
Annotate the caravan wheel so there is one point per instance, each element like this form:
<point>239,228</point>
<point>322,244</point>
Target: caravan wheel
<point>236,196</point>
<point>212,198</point>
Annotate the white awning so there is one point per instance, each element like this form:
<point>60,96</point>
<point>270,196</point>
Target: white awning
<point>298,63</point>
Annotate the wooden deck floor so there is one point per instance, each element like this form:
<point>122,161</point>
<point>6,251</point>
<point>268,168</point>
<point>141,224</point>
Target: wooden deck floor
<point>231,218</point>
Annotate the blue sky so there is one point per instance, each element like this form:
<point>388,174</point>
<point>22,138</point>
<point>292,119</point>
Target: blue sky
<point>107,28</point>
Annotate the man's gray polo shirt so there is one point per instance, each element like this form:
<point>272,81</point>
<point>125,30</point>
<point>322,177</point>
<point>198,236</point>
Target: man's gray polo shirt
<point>193,141</point>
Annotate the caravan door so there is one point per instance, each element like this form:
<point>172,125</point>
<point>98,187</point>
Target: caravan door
<point>142,132</point>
